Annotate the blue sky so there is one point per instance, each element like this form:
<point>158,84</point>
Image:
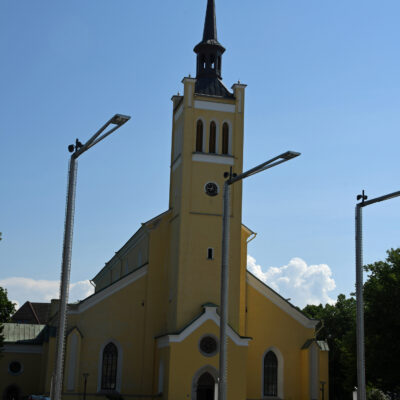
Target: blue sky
<point>323,79</point>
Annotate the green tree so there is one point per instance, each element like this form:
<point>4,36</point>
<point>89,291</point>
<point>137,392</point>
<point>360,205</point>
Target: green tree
<point>339,330</point>
<point>7,308</point>
<point>382,322</point>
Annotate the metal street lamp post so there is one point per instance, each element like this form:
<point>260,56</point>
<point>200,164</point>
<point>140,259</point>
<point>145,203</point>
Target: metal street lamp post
<point>361,391</point>
<point>232,178</point>
<point>78,149</point>
<point>85,377</point>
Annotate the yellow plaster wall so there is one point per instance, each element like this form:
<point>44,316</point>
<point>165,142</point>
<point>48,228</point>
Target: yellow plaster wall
<point>269,326</point>
<point>305,374</point>
<point>118,318</point>
<point>30,380</point>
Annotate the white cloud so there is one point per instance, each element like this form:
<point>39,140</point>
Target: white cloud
<point>303,284</point>
<point>24,289</point>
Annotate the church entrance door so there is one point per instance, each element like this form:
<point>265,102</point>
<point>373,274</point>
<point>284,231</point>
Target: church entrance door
<point>11,393</point>
<point>205,387</point>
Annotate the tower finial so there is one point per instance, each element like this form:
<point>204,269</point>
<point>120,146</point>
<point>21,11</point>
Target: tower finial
<point>210,24</point>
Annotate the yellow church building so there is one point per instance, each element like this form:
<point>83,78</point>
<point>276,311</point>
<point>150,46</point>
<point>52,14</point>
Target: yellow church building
<point>151,329</point>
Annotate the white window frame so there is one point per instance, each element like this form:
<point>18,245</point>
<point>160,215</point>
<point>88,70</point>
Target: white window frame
<point>119,366</point>
<point>279,356</point>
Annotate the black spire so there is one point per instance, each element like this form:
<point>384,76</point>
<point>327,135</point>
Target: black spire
<point>209,50</point>
<point>209,58</point>
<point>210,25</point>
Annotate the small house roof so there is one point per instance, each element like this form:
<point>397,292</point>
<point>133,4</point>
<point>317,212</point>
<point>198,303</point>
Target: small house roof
<point>322,344</point>
<point>23,333</point>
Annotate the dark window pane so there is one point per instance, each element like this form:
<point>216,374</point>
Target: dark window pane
<point>109,367</point>
<point>199,136</point>
<point>213,137</point>
<point>270,374</point>
<point>225,139</point>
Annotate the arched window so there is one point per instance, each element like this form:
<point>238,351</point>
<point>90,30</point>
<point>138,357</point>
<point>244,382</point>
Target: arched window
<point>199,136</point>
<point>270,374</point>
<point>203,61</point>
<point>212,61</point>
<point>213,137</point>
<point>109,367</point>
<point>225,138</point>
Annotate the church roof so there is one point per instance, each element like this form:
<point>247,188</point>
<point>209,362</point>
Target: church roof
<point>32,313</point>
<point>212,87</point>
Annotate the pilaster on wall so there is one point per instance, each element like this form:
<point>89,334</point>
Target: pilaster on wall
<point>189,86</point>
<point>239,92</point>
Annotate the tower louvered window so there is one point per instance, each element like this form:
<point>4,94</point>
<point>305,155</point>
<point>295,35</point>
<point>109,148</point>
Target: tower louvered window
<point>109,367</point>
<point>213,137</point>
<point>199,136</point>
<point>225,138</point>
<point>270,374</point>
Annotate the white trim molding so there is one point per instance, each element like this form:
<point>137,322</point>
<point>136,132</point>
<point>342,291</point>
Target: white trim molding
<point>178,112</point>
<point>279,356</point>
<point>109,290</point>
<point>119,365</point>
<point>214,106</point>
<point>177,162</point>
<point>213,158</point>
<point>210,313</point>
<point>279,301</point>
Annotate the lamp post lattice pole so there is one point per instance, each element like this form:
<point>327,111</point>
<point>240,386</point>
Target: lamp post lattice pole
<point>78,149</point>
<point>361,382</point>
<point>232,178</point>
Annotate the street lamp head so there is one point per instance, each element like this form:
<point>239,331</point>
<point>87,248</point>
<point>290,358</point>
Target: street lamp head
<point>119,119</point>
<point>289,155</point>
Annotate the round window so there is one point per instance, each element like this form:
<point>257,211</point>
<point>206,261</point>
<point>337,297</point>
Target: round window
<point>211,189</point>
<point>208,346</point>
<point>15,367</point>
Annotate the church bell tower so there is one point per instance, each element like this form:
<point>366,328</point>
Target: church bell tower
<point>207,140</point>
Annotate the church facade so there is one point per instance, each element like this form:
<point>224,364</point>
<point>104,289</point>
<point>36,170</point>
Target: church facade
<point>151,329</point>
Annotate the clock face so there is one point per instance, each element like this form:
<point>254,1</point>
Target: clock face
<point>211,188</point>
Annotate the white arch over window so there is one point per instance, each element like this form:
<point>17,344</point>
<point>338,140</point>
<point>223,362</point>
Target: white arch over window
<point>119,364</point>
<point>279,356</point>
<point>230,136</point>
